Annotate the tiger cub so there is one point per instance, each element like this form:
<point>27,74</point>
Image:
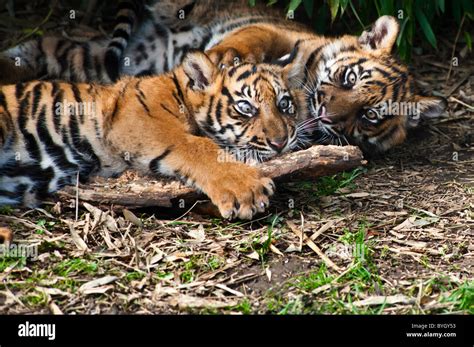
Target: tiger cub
<point>147,40</point>
<point>356,90</point>
<point>173,124</point>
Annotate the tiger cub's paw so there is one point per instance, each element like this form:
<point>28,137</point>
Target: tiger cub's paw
<point>239,191</point>
<point>226,57</point>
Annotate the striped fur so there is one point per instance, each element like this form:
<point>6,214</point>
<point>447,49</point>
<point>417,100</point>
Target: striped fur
<point>229,29</point>
<point>356,90</point>
<point>173,124</point>
<point>127,19</point>
<point>165,32</point>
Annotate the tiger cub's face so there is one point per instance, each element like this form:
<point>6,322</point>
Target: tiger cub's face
<point>359,93</point>
<point>246,108</point>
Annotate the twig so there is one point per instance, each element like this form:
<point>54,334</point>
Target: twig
<point>313,246</point>
<point>462,103</point>
<point>32,32</point>
<point>77,196</point>
<point>454,48</point>
<point>459,83</point>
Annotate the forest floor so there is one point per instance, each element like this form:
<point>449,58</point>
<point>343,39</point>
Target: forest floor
<point>394,237</point>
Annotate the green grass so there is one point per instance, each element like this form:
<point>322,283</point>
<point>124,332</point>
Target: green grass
<point>214,263</point>
<point>134,276</point>
<point>196,265</point>
<point>6,210</point>
<point>361,279</point>
<point>314,279</point>
<point>164,275</point>
<point>67,285</point>
<point>76,266</point>
<point>330,185</point>
<point>463,297</point>
<point>244,307</point>
<point>35,300</point>
<point>263,248</point>
<point>6,262</point>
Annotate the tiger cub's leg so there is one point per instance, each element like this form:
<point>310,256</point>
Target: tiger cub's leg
<point>238,190</point>
<point>255,44</point>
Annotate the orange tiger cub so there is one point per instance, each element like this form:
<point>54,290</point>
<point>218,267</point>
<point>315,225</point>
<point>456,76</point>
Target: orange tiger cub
<point>173,124</point>
<point>355,88</point>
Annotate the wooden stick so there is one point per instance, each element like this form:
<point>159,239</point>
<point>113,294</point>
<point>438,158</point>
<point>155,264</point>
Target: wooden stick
<point>306,164</point>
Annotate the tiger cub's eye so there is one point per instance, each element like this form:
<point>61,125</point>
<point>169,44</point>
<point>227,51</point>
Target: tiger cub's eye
<point>245,108</point>
<point>350,78</point>
<point>371,116</point>
<point>285,105</point>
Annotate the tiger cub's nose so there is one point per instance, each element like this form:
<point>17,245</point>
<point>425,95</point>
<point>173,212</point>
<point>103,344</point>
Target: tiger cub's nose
<point>278,144</point>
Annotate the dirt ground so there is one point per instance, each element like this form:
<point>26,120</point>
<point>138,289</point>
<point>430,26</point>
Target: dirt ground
<point>394,237</point>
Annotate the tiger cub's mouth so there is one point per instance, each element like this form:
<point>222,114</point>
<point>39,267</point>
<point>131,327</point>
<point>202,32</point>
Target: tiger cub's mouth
<point>326,130</point>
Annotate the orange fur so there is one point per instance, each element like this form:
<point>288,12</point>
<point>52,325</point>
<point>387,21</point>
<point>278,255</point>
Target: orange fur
<point>381,78</point>
<point>154,125</point>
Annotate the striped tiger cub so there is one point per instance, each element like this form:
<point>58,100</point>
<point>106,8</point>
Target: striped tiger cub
<point>174,124</point>
<point>358,92</point>
<point>147,40</point>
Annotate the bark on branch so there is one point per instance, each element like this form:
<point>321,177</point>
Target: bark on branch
<point>307,164</point>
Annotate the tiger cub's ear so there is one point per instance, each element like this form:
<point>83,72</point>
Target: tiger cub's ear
<point>382,36</point>
<point>293,67</point>
<point>199,69</point>
<point>428,107</point>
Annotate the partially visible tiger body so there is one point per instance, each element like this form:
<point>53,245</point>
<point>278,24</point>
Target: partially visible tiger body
<point>157,44</point>
<point>346,112</point>
<point>358,92</point>
<point>170,124</point>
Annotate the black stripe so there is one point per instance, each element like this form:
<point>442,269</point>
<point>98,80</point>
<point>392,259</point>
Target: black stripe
<point>63,62</point>
<point>125,20</point>
<point>19,89</point>
<point>168,110</point>
<point>291,57</point>
<point>121,33</point>
<point>3,100</point>
<point>244,75</point>
<point>127,5</point>
<point>205,40</point>
<point>209,120</point>
<point>310,62</point>
<point>76,92</point>
<point>178,88</point>
<point>77,96</point>
<point>218,112</point>
<point>98,67</point>
<point>161,32</point>
<point>388,135</point>
<point>228,127</point>
<point>54,151</point>
<point>232,71</point>
<point>57,109</point>
<point>89,162</point>
<point>87,62</point>
<point>156,163</point>
<point>142,101</point>
<point>187,9</point>
<point>226,93</point>
<point>55,88</point>
<point>30,142</point>
<point>36,98</point>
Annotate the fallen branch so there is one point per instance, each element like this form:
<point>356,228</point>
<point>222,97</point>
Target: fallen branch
<point>307,164</point>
